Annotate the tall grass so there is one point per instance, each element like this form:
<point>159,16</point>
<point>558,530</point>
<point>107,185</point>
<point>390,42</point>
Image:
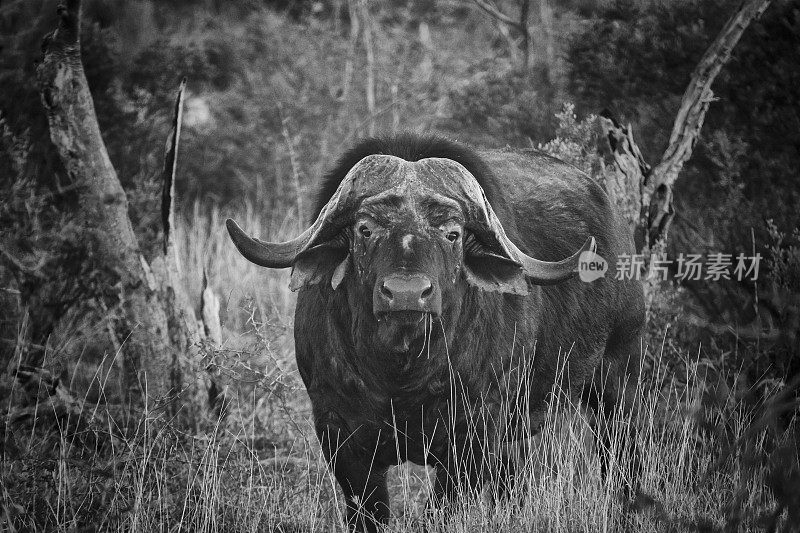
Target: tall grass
<point>231,480</point>
<point>204,245</point>
<point>260,469</point>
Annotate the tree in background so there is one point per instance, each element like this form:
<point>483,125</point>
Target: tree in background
<point>634,58</point>
<point>148,319</point>
<point>651,187</point>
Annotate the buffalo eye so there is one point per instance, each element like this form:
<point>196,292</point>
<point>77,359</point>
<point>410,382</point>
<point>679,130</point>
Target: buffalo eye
<point>453,236</point>
<point>365,231</point>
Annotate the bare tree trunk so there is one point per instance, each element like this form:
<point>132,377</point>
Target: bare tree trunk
<point>337,16</point>
<point>645,192</point>
<point>395,108</point>
<point>186,333</point>
<point>295,164</point>
<point>349,65</point>
<point>426,65</point>
<point>514,47</point>
<point>155,326</point>
<point>546,18</point>
<point>524,12</point>
<point>520,24</point>
<point>147,356</point>
<point>370,74</point>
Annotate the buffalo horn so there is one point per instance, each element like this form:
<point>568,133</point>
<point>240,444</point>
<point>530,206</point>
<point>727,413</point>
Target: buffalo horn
<point>547,272</point>
<point>482,217</point>
<point>267,254</point>
<point>283,254</point>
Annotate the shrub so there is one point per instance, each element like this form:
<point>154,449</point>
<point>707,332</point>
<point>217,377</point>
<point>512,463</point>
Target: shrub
<point>504,106</point>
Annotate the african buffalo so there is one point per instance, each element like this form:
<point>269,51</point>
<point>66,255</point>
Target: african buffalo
<point>430,273</point>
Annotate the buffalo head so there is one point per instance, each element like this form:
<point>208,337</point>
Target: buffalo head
<point>407,235</point>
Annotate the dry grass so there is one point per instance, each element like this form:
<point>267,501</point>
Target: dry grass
<point>261,470</point>
<point>242,286</point>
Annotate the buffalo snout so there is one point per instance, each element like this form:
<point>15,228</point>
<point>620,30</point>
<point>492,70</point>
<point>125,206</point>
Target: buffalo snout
<point>407,292</point>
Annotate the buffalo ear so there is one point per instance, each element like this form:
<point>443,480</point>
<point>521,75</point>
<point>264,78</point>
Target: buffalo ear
<point>327,260</point>
<point>490,271</point>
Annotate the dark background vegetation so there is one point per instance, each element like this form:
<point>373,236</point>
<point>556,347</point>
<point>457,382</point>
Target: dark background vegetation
<point>270,105</point>
<point>266,88</point>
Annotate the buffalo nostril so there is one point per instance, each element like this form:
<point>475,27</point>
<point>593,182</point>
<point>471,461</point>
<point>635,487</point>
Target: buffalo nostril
<point>386,292</point>
<point>413,292</point>
<point>427,292</point>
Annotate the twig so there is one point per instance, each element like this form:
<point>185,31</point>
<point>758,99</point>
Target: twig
<point>170,166</point>
<point>751,332</point>
<point>366,121</point>
<point>295,166</point>
<point>18,265</point>
<point>493,11</point>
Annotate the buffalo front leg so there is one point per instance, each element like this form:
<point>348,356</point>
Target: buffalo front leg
<point>612,396</point>
<point>464,469</point>
<point>362,481</point>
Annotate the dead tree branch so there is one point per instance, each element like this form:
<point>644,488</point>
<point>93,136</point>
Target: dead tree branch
<point>493,11</point>
<point>170,167</point>
<point>649,189</point>
<point>698,94</point>
<point>520,24</point>
<point>186,333</point>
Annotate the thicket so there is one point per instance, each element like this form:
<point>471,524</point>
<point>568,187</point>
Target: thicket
<point>739,188</point>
